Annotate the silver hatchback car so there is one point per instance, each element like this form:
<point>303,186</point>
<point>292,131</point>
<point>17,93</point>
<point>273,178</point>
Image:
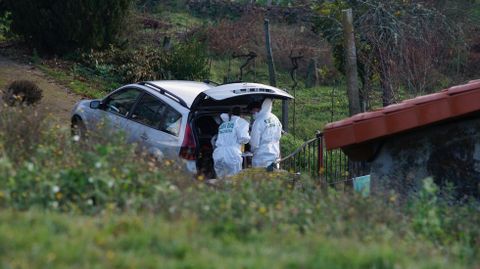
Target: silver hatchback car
<point>171,119</point>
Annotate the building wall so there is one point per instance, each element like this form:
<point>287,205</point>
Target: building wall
<point>450,153</point>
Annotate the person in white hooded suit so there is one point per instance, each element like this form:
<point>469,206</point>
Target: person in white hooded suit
<point>265,135</point>
<point>232,133</point>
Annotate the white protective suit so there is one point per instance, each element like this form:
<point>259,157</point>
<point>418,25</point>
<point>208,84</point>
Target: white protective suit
<point>266,133</point>
<point>227,156</point>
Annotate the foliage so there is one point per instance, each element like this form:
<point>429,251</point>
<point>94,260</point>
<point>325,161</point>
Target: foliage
<point>42,166</point>
<point>289,144</point>
<point>131,211</point>
<point>189,61</point>
<point>133,65</point>
<point>21,131</point>
<point>5,22</point>
<point>22,92</point>
<point>400,44</point>
<point>60,26</point>
<point>246,34</point>
<point>184,61</point>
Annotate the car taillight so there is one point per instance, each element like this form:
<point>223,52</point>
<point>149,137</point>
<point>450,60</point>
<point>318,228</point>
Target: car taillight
<point>187,151</point>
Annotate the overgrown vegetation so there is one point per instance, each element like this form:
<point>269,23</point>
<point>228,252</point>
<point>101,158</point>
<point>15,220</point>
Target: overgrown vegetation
<point>62,26</point>
<point>102,204</point>
<point>412,46</point>
<point>130,211</point>
<point>187,61</point>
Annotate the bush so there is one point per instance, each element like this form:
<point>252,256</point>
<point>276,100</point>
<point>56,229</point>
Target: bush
<point>41,165</point>
<point>187,60</point>
<point>21,131</point>
<point>62,25</point>
<point>106,176</point>
<point>131,65</point>
<point>22,92</point>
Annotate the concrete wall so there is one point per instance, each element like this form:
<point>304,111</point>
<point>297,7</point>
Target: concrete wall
<point>449,152</point>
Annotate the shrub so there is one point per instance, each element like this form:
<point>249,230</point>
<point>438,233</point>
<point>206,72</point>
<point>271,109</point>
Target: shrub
<point>22,92</point>
<point>5,22</point>
<point>106,176</point>
<point>41,165</point>
<point>62,25</point>
<point>21,130</point>
<point>188,60</point>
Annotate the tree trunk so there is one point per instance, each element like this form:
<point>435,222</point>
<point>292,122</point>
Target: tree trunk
<point>350,62</point>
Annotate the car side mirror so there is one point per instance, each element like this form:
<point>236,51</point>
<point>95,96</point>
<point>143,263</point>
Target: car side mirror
<point>95,104</point>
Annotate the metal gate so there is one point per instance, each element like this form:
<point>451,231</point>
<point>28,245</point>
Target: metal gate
<point>328,166</point>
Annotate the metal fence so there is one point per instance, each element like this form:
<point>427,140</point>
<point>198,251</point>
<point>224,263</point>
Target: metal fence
<point>330,167</point>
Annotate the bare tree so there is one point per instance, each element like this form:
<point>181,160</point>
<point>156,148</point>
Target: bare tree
<point>402,46</point>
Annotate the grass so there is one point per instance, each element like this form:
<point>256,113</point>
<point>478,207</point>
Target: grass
<point>176,14</point>
<point>145,241</point>
<point>86,85</point>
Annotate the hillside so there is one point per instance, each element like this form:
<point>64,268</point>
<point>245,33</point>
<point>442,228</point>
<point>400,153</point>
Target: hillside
<point>103,203</point>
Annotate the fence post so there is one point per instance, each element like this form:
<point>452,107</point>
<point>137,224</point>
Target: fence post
<point>271,73</point>
<point>312,74</point>
<point>271,65</point>
<point>320,152</point>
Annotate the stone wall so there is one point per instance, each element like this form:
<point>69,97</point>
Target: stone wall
<point>449,152</point>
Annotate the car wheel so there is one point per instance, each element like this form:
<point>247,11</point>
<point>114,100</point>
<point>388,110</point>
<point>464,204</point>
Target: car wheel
<point>79,131</point>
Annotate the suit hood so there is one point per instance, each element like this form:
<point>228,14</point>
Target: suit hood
<point>266,108</point>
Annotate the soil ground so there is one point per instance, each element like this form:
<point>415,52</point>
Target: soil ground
<point>57,100</point>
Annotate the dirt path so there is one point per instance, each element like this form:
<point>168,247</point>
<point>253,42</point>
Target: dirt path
<point>57,99</point>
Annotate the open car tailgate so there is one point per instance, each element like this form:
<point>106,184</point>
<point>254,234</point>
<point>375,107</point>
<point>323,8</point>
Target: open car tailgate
<point>238,94</point>
<point>237,89</point>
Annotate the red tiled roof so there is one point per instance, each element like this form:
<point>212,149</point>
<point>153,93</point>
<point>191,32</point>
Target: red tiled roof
<point>420,111</point>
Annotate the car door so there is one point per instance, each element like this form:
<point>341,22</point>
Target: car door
<point>116,108</point>
<point>155,125</point>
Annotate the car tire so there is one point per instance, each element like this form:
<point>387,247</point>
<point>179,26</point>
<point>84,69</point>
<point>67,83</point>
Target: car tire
<point>78,128</point>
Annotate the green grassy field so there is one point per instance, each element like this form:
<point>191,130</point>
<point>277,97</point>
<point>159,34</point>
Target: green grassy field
<point>37,239</point>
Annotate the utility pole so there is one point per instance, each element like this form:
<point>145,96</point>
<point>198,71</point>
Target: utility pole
<point>271,73</point>
<point>351,62</point>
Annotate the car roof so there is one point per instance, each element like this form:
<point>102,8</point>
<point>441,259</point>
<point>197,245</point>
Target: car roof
<point>186,90</point>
